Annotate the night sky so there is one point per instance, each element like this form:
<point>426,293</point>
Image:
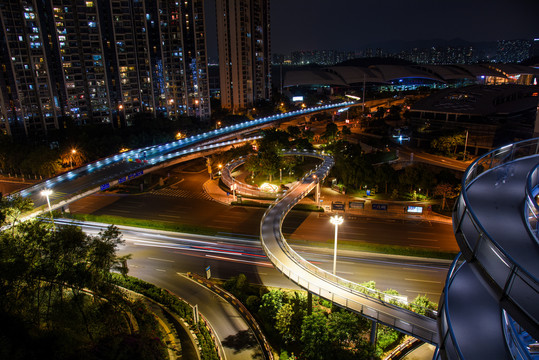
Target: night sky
<point>355,24</point>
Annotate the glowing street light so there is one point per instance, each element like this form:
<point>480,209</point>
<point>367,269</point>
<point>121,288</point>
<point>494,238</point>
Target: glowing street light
<point>47,193</point>
<point>335,220</point>
<point>73,152</point>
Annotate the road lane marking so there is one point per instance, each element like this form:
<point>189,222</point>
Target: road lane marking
<point>427,281</point>
<point>429,270</point>
<point>240,261</point>
<point>151,258</point>
<point>161,270</point>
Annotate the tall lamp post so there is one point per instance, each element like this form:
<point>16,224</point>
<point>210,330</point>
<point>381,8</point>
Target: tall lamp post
<point>47,193</point>
<point>335,220</point>
<point>73,152</point>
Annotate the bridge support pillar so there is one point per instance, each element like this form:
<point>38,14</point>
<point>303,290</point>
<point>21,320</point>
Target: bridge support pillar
<point>374,329</point>
<point>309,303</point>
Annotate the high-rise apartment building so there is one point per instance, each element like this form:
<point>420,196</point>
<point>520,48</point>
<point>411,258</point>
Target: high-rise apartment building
<point>243,34</point>
<point>77,56</point>
<point>100,61</point>
<point>28,97</point>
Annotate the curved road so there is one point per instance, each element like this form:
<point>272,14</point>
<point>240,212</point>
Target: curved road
<point>324,284</point>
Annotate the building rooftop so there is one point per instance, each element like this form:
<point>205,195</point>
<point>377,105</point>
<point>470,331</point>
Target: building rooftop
<point>350,75</point>
<point>481,100</point>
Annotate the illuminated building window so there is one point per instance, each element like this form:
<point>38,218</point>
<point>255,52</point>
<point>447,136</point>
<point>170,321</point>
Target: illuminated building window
<point>89,3</point>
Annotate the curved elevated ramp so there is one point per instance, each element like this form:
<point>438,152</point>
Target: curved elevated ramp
<point>324,284</point>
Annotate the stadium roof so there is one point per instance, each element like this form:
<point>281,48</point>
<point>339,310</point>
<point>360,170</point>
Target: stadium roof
<point>395,72</point>
<point>312,77</point>
<point>384,74</point>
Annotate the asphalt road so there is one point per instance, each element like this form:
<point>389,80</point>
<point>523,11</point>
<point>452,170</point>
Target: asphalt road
<point>185,202</point>
<point>160,258</point>
<point>156,253</point>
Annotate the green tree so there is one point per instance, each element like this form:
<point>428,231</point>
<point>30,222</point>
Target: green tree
<point>102,258</point>
<point>394,112</point>
<point>421,304</point>
<point>294,131</point>
<point>345,131</point>
<point>288,163</point>
<point>380,113</point>
<point>283,322</point>
<point>445,191</point>
<point>331,132</point>
<point>346,334</point>
<point>315,336</point>
<point>308,134</point>
<point>384,175</point>
<point>448,144</point>
<point>252,164</point>
<point>12,207</point>
<point>411,176</point>
<point>269,159</point>
<point>270,304</point>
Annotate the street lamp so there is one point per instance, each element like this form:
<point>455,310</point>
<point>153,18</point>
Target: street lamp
<point>197,108</point>
<point>335,220</point>
<point>73,152</point>
<point>47,193</point>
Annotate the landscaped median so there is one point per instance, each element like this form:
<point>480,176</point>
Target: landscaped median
<point>201,333</point>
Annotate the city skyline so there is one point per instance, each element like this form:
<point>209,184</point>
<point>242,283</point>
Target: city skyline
<point>347,25</point>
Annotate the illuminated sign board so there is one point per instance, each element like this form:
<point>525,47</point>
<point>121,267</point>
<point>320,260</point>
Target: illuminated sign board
<point>297,98</point>
<point>415,209</point>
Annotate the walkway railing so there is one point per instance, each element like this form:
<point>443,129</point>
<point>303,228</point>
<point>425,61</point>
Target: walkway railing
<point>386,313</point>
<point>448,340</point>
<point>531,210</point>
<point>164,150</point>
<point>251,190</point>
<point>512,279</point>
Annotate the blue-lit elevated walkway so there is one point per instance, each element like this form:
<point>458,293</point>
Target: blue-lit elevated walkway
<point>490,305</point>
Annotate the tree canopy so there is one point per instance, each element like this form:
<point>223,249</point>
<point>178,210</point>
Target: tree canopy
<point>58,298</point>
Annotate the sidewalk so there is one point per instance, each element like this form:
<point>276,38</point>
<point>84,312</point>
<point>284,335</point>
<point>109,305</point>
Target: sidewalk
<point>211,187</point>
<point>395,209</point>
